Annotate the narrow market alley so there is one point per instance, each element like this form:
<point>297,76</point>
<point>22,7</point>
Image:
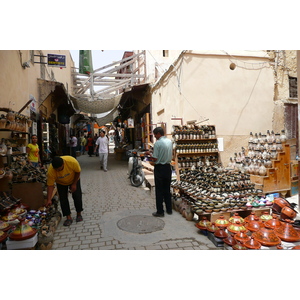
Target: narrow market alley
<point>118,216</point>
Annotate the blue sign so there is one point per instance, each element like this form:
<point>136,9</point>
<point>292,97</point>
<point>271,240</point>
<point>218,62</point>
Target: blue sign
<point>56,60</point>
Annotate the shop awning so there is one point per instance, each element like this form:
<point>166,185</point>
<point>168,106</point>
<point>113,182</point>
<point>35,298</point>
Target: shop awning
<point>107,118</point>
<point>97,106</point>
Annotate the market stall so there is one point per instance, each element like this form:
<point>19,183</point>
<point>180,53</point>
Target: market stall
<point>24,219</point>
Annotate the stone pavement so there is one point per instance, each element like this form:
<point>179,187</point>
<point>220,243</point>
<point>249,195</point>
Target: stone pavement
<point>113,210</point>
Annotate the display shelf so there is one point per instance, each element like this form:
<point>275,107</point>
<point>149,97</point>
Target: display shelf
<point>194,143</point>
<point>278,178</point>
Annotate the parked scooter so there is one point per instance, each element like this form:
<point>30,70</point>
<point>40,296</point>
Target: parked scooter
<point>135,168</point>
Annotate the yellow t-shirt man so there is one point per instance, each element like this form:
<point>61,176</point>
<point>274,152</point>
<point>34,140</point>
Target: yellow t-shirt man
<point>66,176</point>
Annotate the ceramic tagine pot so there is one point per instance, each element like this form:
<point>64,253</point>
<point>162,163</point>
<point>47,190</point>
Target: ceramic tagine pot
<point>252,244</point>
<point>286,232</point>
<point>242,237</point>
<point>4,226</point>
<point>236,227</point>
<point>279,204</point>
<point>236,218</point>
<point>251,217</point>
<point>221,233</point>
<point>203,224</point>
<point>288,213</point>
<point>221,222</point>
<point>265,216</point>
<point>230,240</point>
<point>274,222</point>
<point>239,246</point>
<point>212,227</point>
<point>266,236</point>
<point>254,225</point>
<point>22,232</point>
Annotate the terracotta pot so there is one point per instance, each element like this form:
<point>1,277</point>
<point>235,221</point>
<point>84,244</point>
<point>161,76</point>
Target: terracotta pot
<point>296,247</point>
<point>274,222</point>
<point>251,217</point>
<point>230,240</point>
<point>203,224</point>
<point>288,213</point>
<point>221,221</point>
<point>236,227</point>
<point>265,216</point>
<point>254,225</point>
<point>239,246</point>
<point>236,218</point>
<point>212,227</point>
<point>287,232</point>
<point>22,232</point>
<point>280,203</point>
<point>242,237</point>
<point>266,236</point>
<point>221,233</point>
<point>252,244</point>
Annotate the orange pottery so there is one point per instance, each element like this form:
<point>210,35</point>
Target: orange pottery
<point>287,232</point>
<point>266,236</point>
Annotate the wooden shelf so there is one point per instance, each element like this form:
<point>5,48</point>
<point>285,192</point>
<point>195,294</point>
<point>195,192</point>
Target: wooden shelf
<point>278,178</point>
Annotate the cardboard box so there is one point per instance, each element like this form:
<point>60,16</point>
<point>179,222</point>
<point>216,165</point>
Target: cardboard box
<point>25,244</point>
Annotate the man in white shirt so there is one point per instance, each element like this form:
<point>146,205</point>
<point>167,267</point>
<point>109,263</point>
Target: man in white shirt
<point>73,145</point>
<point>102,145</point>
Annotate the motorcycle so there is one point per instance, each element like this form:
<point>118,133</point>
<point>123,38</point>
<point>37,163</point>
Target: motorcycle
<point>135,168</point>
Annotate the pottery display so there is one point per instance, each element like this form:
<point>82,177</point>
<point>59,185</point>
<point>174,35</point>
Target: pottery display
<point>211,227</point>
<point>279,204</point>
<point>287,213</point>
<point>265,216</point>
<point>239,246</point>
<point>254,225</point>
<point>236,227</point>
<point>287,232</point>
<point>4,226</point>
<point>242,237</point>
<point>274,222</point>
<point>249,218</point>
<point>236,218</point>
<point>230,240</point>
<point>202,224</point>
<point>266,236</point>
<point>252,244</point>
<point>221,233</point>
<point>221,222</point>
<point>22,232</point>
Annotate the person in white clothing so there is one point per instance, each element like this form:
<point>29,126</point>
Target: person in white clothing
<point>102,146</point>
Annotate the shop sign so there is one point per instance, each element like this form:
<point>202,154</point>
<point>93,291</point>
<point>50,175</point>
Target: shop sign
<point>33,103</point>
<point>130,123</point>
<point>56,60</point>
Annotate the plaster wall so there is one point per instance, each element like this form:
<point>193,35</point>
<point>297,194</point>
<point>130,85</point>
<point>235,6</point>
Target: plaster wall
<point>17,83</point>
<point>203,87</point>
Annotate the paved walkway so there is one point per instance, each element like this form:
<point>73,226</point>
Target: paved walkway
<point>108,197</point>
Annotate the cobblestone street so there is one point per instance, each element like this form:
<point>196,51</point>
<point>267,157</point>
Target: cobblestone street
<point>109,197</point>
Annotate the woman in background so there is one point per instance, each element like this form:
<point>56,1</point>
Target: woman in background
<point>33,150</point>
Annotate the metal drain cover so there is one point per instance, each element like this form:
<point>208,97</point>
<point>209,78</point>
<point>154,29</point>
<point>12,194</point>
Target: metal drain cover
<point>141,224</point>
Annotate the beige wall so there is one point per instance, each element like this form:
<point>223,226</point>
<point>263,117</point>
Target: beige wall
<point>17,83</point>
<point>202,86</point>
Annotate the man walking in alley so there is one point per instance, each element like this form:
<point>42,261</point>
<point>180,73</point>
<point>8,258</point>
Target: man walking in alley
<point>102,147</point>
<point>65,172</point>
<point>162,156</point>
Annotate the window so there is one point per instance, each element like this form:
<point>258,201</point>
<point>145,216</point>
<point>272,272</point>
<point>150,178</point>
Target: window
<point>293,87</point>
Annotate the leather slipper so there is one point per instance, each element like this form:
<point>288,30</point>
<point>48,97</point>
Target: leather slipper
<point>68,222</point>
